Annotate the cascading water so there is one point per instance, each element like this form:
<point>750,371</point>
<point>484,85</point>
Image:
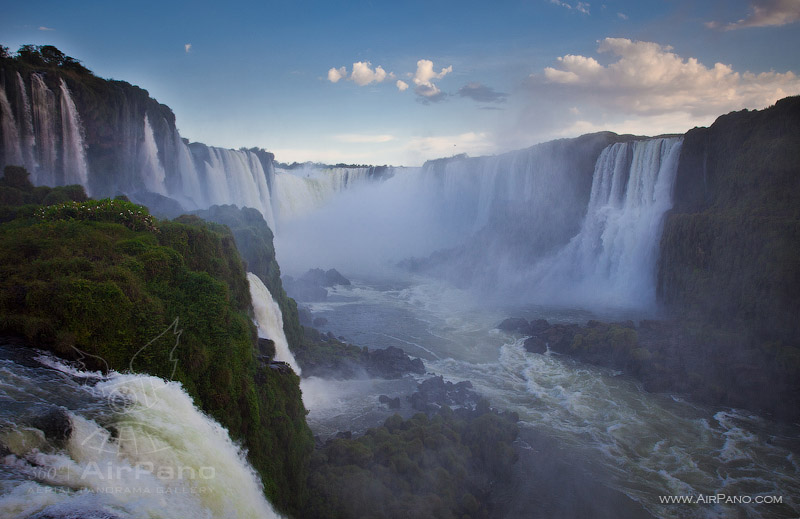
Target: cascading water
<point>298,192</point>
<point>76,169</point>
<point>11,142</point>
<point>270,320</point>
<point>44,117</point>
<point>27,136</point>
<point>235,177</point>
<point>136,447</point>
<point>612,260</point>
<point>151,170</point>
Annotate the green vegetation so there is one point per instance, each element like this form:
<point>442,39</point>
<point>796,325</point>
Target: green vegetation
<point>440,467</point>
<point>107,279</point>
<point>254,239</point>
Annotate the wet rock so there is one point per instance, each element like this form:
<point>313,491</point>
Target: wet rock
<point>514,325</point>
<point>535,345</point>
<point>266,347</point>
<point>434,393</point>
<point>390,363</point>
<point>56,425</point>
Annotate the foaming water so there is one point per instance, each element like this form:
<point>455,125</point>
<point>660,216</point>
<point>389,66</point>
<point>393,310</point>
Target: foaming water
<point>138,448</point>
<point>644,445</point>
<point>270,320</point>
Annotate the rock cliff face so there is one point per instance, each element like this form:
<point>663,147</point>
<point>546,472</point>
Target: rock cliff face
<point>730,250</point>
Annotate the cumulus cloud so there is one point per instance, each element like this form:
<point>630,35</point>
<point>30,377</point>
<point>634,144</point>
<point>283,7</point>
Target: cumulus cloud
<point>187,47</point>
<point>335,74</point>
<point>43,28</point>
<point>648,79</point>
<point>764,13</point>
<point>581,7</point>
<point>401,85</point>
<point>423,79</point>
<point>363,74</point>
<point>482,93</point>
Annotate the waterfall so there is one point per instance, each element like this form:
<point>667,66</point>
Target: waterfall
<point>138,448</point>
<point>191,192</point>
<point>76,169</point>
<point>235,177</point>
<point>151,170</point>
<point>11,144</point>
<point>299,192</point>
<point>44,117</point>
<point>27,136</point>
<point>270,320</point>
<point>612,259</point>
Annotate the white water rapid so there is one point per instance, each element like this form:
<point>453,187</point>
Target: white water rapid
<point>270,321</point>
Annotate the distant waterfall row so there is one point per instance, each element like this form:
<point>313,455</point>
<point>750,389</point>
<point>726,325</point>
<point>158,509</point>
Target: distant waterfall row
<point>46,136</point>
<point>130,146</point>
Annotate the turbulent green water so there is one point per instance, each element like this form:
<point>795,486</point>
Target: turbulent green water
<point>644,445</point>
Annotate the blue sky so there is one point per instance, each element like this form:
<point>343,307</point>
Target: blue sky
<point>420,80</point>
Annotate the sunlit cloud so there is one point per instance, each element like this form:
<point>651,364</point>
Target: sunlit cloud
<point>363,73</point>
<point>423,79</point>
<point>764,13</point>
<point>648,78</point>
<point>187,47</point>
<point>335,74</point>
<point>43,28</point>
<point>401,85</point>
<point>622,16</point>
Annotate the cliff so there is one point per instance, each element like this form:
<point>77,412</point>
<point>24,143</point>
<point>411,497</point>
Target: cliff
<point>254,240</point>
<point>729,266</point>
<point>96,281</point>
<point>730,250</point>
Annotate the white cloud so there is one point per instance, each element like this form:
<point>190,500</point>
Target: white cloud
<point>187,47</point>
<point>363,74</point>
<point>648,79</point>
<point>423,79</point>
<point>335,74</point>
<point>581,7</point>
<point>43,28</point>
<point>764,13</point>
<point>401,85</point>
<point>622,16</point>
<point>355,138</point>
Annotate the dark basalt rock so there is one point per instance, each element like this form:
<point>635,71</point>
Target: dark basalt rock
<point>535,345</point>
<point>514,325</point>
<point>434,393</point>
<point>390,363</point>
<point>266,347</point>
<point>56,425</point>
